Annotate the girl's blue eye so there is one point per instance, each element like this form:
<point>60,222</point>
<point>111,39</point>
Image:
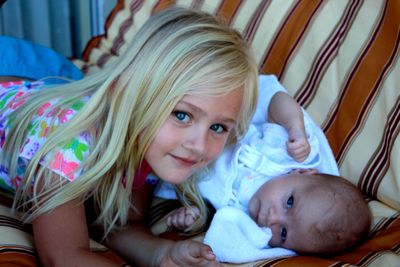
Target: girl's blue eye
<point>283,234</point>
<point>290,202</point>
<point>182,116</point>
<point>218,128</point>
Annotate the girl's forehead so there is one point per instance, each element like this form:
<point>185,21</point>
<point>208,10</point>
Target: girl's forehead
<point>228,104</point>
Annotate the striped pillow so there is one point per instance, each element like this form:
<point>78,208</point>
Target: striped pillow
<point>339,59</point>
<point>16,241</point>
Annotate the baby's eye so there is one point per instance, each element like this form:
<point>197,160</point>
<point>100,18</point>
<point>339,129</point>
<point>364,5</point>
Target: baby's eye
<point>283,234</point>
<point>290,202</point>
<point>181,116</point>
<point>218,128</point>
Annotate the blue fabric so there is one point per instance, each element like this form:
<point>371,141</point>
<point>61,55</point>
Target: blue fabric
<point>25,59</point>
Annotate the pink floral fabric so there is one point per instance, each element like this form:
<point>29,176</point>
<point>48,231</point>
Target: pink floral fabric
<point>66,161</point>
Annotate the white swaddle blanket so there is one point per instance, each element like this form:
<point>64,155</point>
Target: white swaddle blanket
<point>236,238</point>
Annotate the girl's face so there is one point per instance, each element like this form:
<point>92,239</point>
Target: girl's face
<point>193,135</point>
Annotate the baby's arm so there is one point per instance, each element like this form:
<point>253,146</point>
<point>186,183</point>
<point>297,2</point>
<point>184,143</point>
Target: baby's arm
<point>285,111</point>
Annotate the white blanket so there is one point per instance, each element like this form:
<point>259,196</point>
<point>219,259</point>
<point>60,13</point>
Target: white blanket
<point>236,238</point>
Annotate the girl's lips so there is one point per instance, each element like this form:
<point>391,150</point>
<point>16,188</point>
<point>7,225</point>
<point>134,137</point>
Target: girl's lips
<point>184,161</point>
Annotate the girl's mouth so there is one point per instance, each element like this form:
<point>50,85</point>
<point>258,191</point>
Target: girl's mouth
<point>184,161</point>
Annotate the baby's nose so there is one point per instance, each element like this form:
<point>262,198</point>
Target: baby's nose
<point>274,217</point>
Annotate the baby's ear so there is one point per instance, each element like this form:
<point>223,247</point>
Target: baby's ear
<point>305,171</point>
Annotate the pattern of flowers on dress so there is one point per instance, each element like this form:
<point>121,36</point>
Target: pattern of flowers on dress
<point>68,158</point>
<point>77,147</point>
<point>63,166</point>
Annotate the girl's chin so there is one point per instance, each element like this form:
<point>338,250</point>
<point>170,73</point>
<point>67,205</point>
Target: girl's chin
<point>179,177</point>
<point>176,179</point>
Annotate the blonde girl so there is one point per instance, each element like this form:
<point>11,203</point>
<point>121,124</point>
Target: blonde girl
<point>185,87</point>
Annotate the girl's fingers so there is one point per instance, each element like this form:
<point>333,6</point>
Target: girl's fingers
<point>198,250</point>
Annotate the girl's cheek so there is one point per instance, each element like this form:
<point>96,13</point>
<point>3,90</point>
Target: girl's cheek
<point>219,147</point>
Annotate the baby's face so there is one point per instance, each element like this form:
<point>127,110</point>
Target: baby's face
<point>289,208</point>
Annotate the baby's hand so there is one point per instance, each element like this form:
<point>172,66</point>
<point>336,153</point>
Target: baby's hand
<point>297,145</point>
<point>189,253</point>
<point>183,218</point>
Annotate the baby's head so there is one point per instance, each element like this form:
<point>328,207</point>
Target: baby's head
<point>311,213</point>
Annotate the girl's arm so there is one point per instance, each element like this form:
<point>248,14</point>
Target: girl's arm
<point>285,111</point>
<point>137,245</point>
<point>61,238</point>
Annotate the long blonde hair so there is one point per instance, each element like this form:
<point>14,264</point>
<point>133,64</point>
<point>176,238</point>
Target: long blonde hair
<point>176,52</point>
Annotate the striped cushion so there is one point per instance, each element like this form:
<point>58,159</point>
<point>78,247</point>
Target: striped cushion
<point>340,60</point>
<point>16,246</point>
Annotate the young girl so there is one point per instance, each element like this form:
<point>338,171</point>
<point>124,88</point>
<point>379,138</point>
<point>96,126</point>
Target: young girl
<point>185,88</point>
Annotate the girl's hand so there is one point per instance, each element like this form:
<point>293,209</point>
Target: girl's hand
<point>183,218</point>
<point>298,146</point>
<point>189,253</point>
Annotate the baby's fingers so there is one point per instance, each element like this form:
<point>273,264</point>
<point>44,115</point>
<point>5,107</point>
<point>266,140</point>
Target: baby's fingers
<point>299,155</point>
<point>188,217</point>
<point>175,219</point>
<point>183,218</point>
<point>298,150</point>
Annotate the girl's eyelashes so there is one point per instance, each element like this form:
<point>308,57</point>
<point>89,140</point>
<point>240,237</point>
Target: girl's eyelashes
<point>185,117</point>
<point>218,128</point>
<point>181,116</point>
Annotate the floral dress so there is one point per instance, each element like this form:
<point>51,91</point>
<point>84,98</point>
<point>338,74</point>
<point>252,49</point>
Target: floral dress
<point>66,161</point>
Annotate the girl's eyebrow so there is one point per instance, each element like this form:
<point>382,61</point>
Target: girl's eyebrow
<point>197,109</point>
<point>192,106</point>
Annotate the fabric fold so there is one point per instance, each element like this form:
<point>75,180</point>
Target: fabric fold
<point>234,237</point>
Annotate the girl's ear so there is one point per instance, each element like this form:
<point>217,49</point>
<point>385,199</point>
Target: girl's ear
<point>305,171</point>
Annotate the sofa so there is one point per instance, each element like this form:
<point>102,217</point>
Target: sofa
<point>340,59</point>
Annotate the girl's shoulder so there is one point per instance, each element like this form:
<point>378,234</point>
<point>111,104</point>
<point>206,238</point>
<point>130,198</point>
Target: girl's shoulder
<point>67,160</point>
<point>14,91</point>
<point>48,117</point>
<point>21,85</point>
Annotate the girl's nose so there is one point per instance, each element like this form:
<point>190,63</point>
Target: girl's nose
<point>197,141</point>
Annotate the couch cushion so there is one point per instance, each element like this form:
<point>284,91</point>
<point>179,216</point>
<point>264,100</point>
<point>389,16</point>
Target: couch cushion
<point>339,59</point>
<point>16,243</point>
